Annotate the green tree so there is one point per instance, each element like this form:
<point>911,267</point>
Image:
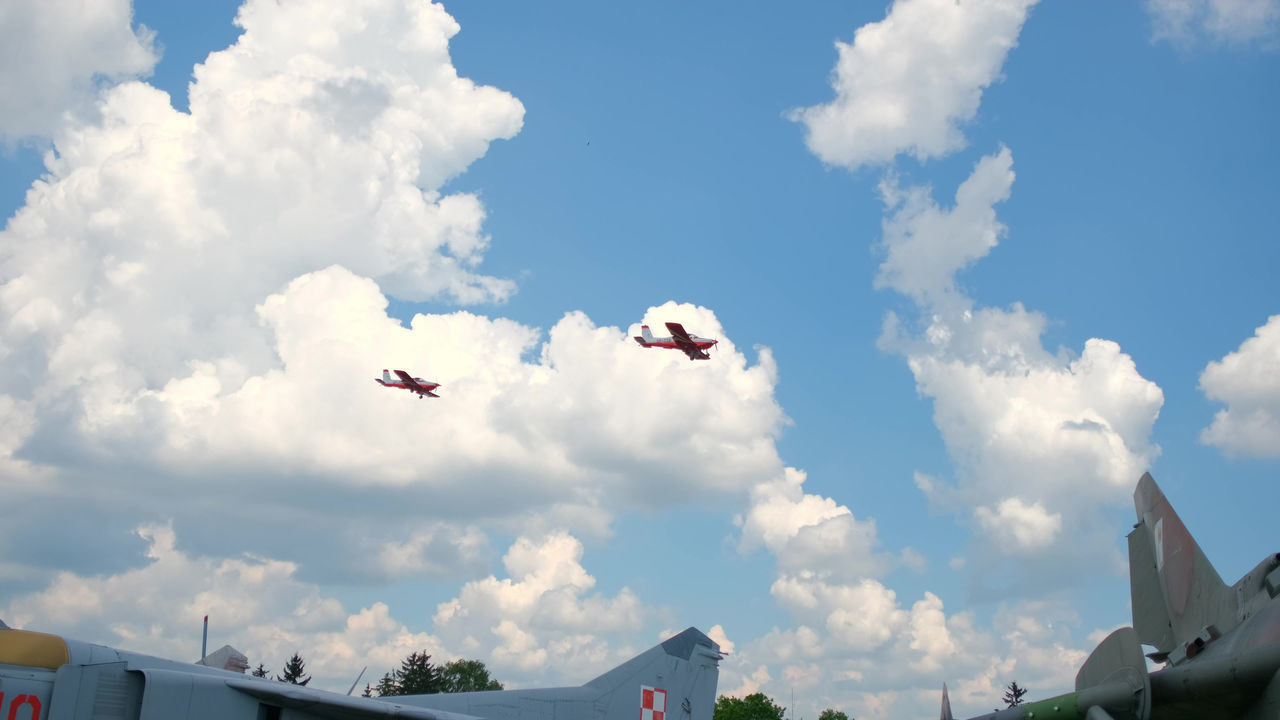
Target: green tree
<point>261,671</point>
<point>294,669</point>
<point>466,676</point>
<point>416,676</point>
<point>368,691</point>
<point>1013,694</point>
<point>832,714</point>
<point>756,706</point>
<point>388,686</point>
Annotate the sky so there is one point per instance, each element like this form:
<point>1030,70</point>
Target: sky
<point>973,268</point>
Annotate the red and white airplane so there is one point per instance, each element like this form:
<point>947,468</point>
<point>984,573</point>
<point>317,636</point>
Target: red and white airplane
<point>412,384</point>
<point>692,345</point>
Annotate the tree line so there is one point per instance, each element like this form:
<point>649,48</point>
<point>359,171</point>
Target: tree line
<point>417,675</point>
<point>758,706</point>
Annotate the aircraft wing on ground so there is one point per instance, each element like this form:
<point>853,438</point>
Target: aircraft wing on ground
<point>334,706</point>
<point>686,344</point>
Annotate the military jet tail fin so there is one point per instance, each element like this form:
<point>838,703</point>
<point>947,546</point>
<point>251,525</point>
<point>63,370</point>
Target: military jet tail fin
<point>675,680</point>
<point>1179,600</point>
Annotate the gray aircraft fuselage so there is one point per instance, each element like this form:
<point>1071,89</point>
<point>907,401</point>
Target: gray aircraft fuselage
<point>47,677</point>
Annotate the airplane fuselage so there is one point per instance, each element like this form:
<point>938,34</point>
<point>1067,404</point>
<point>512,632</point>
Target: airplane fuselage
<point>416,385</point>
<point>670,344</point>
<point>47,677</point>
<point>680,339</point>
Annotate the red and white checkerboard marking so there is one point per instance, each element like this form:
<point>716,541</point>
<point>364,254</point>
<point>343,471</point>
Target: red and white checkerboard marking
<point>653,703</point>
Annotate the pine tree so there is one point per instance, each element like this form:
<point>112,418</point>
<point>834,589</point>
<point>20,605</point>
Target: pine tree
<point>368,690</point>
<point>417,676</point>
<point>261,671</point>
<point>1013,694</point>
<point>294,670</point>
<point>388,686</point>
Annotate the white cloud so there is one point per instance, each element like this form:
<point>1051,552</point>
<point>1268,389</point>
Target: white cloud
<point>880,658</point>
<point>256,604</point>
<point>717,634</point>
<point>749,683</point>
<point>155,233</point>
<point>1018,527</point>
<point>809,532</point>
<point>926,246</point>
<point>203,295</point>
<point>1040,440</point>
<point>541,624</point>
<point>55,55</point>
<point>909,82</point>
<point>567,430</point>
<point>1248,382</point>
<point>1237,22</point>
<point>438,549</point>
<point>546,598</point>
<point>929,634</point>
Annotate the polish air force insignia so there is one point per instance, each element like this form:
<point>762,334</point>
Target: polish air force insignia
<point>653,703</point>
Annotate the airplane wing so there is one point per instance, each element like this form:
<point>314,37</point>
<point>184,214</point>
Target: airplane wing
<point>686,344</point>
<point>409,382</point>
<point>678,332</point>
<point>334,706</point>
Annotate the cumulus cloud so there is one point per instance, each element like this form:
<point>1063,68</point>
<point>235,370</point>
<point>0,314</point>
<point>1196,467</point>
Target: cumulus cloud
<point>541,623</point>
<point>1039,439</point>
<point>195,296</point>
<point>543,614</point>
<point>717,633</point>
<point>156,608</point>
<point>867,651</point>
<point>130,282</point>
<point>553,432</point>
<point>909,82</point>
<point>926,245</point>
<point>1232,22</point>
<point>1248,383</point>
<point>1018,527</point>
<point>809,532</point>
<point>56,55</point>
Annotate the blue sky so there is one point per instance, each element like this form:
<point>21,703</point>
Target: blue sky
<point>193,310</point>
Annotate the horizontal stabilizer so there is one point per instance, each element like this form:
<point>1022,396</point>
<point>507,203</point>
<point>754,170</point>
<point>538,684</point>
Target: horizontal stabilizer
<point>1115,677</point>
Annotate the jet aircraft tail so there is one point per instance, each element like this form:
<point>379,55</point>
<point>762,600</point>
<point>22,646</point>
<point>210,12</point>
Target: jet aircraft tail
<point>674,680</point>
<point>1179,600</point>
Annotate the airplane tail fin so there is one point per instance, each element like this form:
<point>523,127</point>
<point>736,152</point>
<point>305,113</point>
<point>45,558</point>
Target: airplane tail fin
<point>675,680</point>
<point>645,333</point>
<point>386,376</point>
<point>1179,600</point>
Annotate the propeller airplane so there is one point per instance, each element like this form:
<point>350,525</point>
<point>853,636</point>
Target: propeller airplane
<point>692,345</point>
